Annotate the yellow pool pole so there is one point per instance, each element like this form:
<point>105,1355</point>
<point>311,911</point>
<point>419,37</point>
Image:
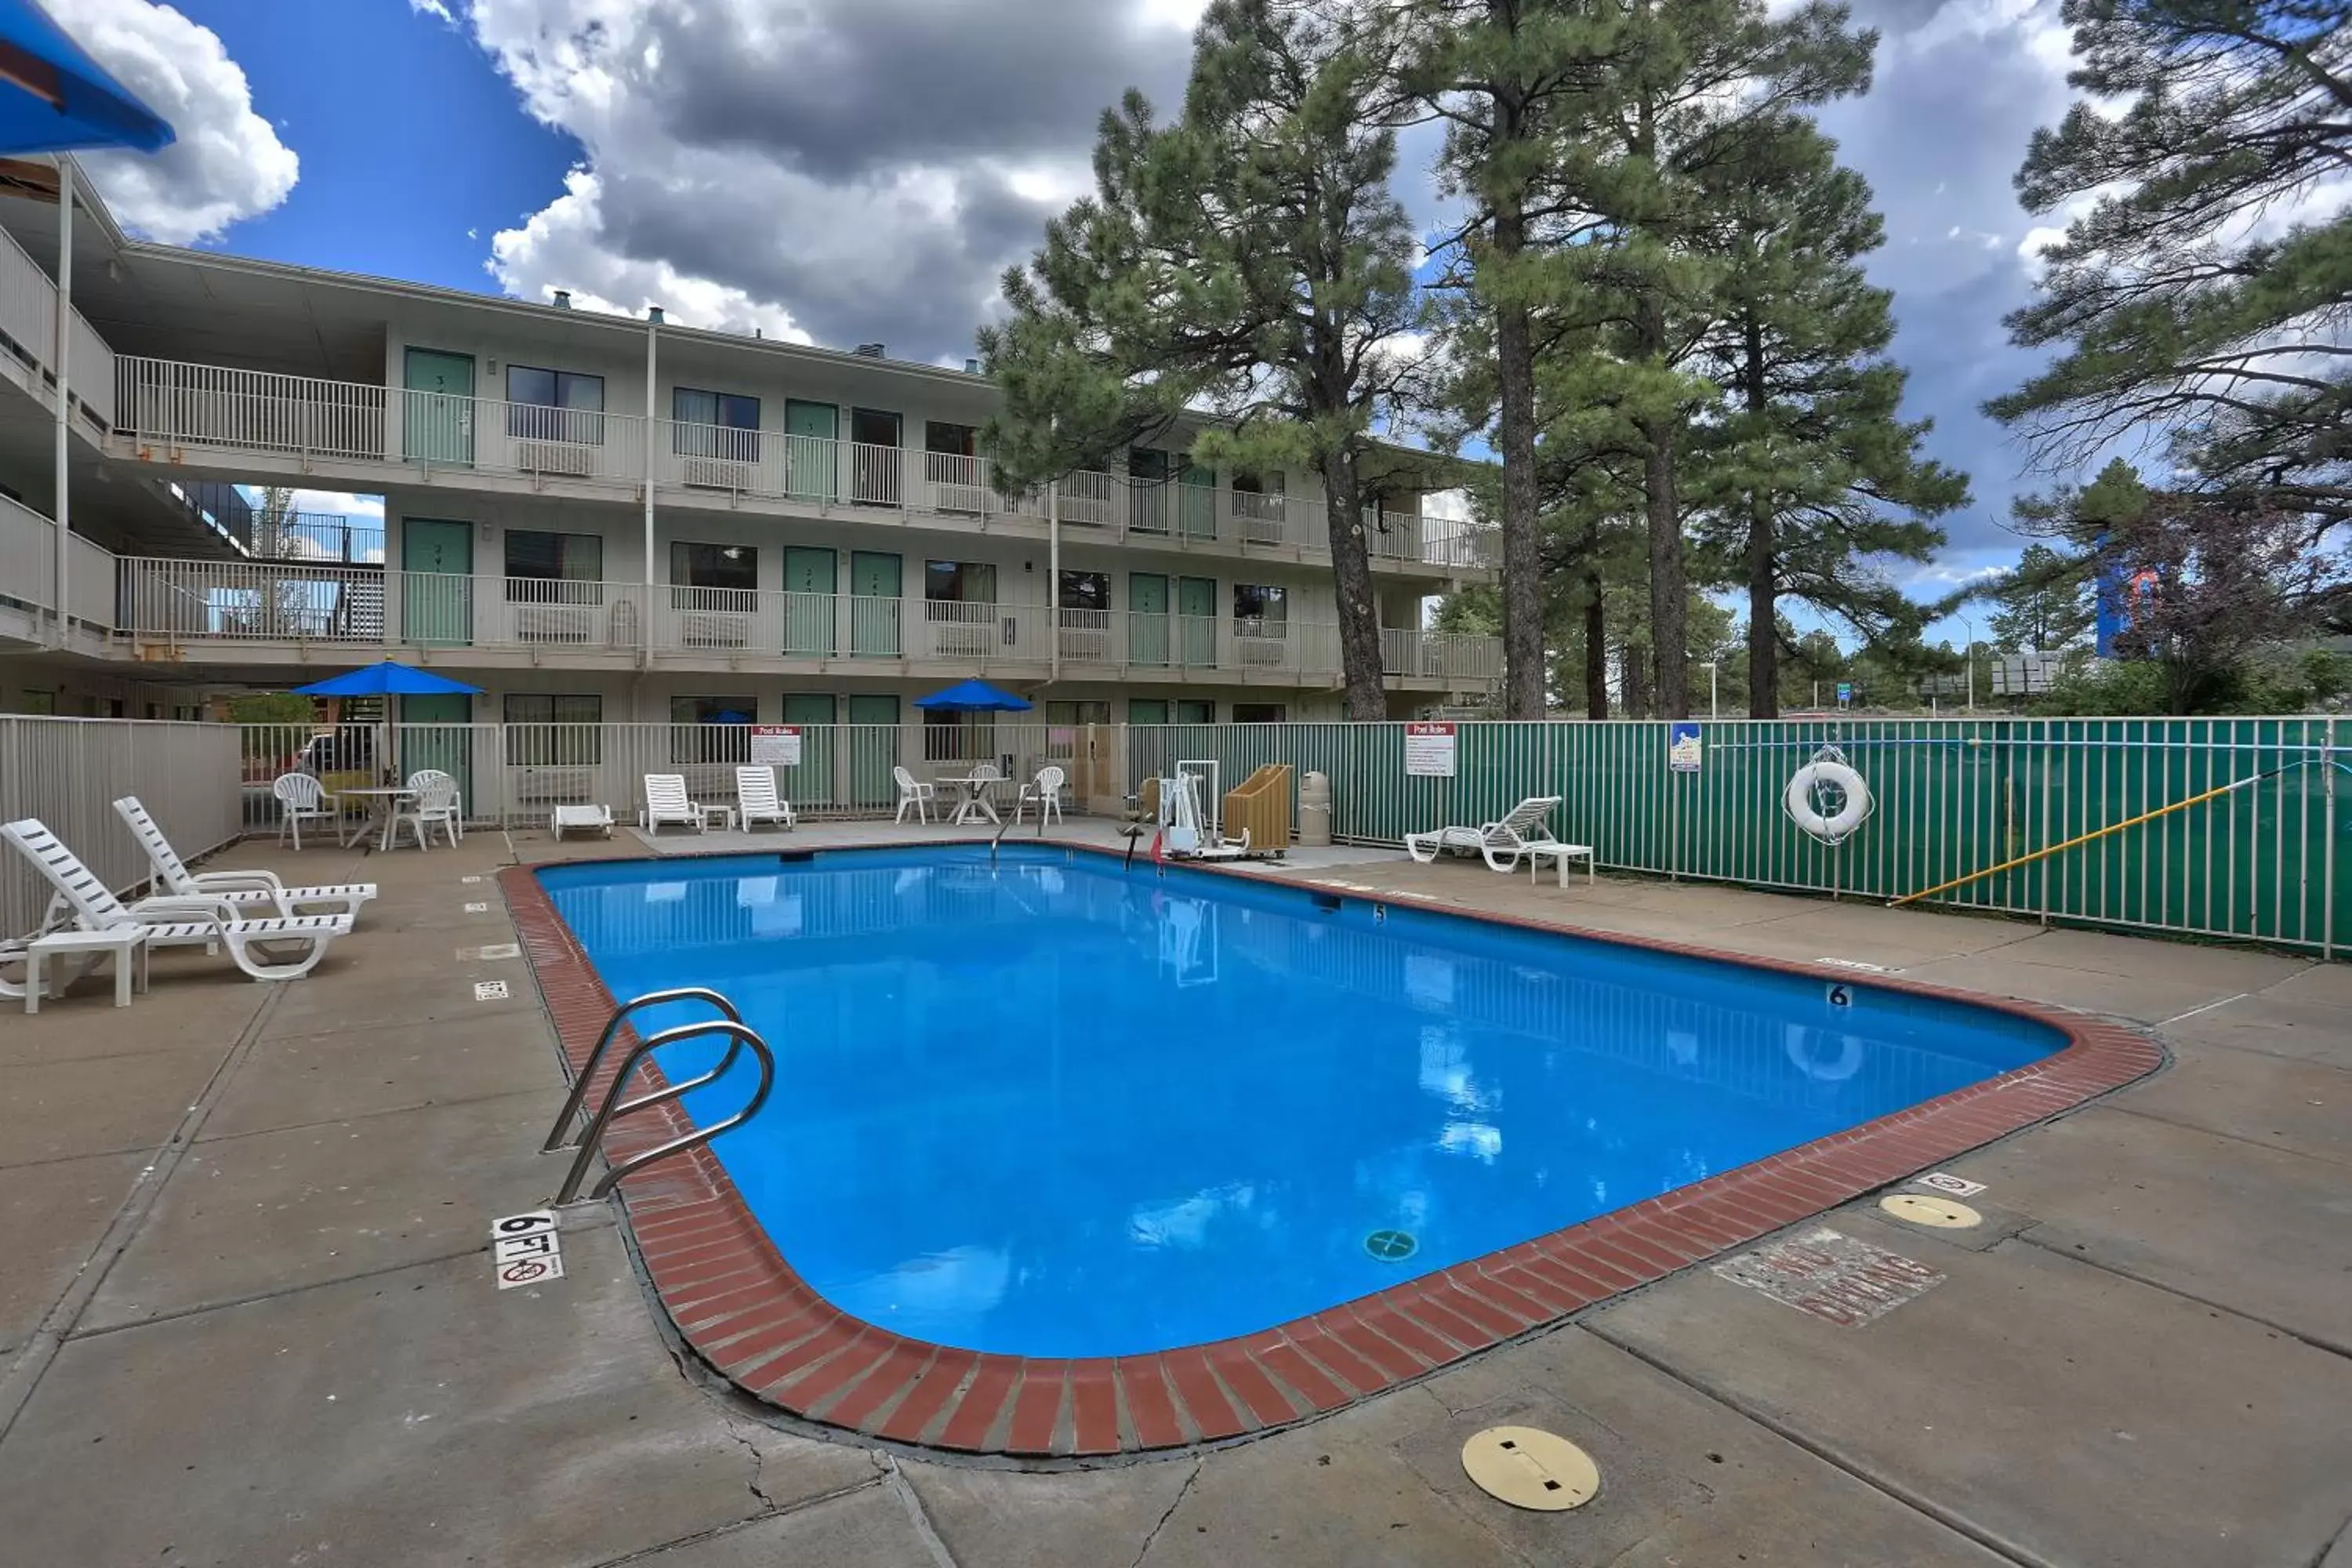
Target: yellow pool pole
<point>2084,838</point>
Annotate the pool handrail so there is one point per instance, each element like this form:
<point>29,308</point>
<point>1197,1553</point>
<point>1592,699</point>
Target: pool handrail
<point>571,1102</point>
<point>739,1034</point>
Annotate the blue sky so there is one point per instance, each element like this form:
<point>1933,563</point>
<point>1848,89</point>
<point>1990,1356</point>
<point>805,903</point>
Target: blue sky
<point>414,141</point>
<point>863,171</point>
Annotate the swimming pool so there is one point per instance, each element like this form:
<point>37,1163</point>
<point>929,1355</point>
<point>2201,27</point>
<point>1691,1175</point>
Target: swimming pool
<point>1062,1108</point>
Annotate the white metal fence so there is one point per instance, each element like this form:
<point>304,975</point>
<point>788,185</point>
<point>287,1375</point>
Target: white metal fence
<point>68,773</point>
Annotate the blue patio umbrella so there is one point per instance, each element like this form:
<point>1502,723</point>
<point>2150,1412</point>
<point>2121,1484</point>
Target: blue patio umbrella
<point>972,697</point>
<point>389,679</point>
<point>55,98</point>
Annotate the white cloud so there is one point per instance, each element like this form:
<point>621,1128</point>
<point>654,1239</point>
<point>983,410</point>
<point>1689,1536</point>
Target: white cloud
<point>436,8</point>
<point>227,164</point>
<point>829,174</point>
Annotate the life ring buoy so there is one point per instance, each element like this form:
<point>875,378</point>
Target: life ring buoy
<point>1799,1041</point>
<point>1800,800</point>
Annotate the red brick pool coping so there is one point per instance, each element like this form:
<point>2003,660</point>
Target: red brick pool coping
<point>742,1308</point>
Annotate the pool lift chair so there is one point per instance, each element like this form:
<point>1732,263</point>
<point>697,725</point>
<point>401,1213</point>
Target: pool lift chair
<point>1183,835</point>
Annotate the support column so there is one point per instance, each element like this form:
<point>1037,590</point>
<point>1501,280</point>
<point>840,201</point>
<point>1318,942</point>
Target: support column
<point>1054,579</point>
<point>62,511</point>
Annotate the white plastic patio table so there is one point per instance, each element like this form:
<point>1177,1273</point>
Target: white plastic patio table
<point>382,804</point>
<point>971,797</point>
<point>127,944</point>
<point>1563,853</point>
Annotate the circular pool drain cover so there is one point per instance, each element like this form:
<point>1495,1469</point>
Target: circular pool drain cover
<point>1531,1468</point>
<point>1391,1245</point>
<point>1943,1213</point>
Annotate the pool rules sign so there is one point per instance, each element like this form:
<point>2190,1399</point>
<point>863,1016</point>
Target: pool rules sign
<point>1430,750</point>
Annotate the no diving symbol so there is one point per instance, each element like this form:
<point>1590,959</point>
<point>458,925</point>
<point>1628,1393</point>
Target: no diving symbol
<point>1391,1245</point>
<point>530,1271</point>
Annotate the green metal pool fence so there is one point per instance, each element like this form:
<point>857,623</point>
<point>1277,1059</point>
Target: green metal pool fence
<point>1949,798</point>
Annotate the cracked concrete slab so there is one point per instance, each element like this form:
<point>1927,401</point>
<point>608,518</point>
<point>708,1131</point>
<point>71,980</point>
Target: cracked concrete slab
<point>1008,1519</point>
<point>273,1211</point>
<point>288,1080</point>
<point>2302,1107</point>
<point>2273,1022</point>
<point>866,1526</point>
<point>420,1417</point>
<point>51,1215</point>
<point>57,1110</point>
<point>2079,1416</point>
<point>2266,1232</point>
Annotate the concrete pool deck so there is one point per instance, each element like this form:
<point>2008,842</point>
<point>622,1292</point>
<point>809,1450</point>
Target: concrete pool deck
<point>246,1313</point>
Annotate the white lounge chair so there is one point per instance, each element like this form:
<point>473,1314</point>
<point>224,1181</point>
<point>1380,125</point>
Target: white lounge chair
<point>756,799</point>
<point>913,792</point>
<point>580,819</point>
<point>255,891</point>
<point>666,802</point>
<point>179,921</point>
<point>432,803</point>
<point>301,798</point>
<point>1502,842</point>
<point>1045,791</point>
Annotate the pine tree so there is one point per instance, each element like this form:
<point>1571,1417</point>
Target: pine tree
<point>1810,473</point>
<point>2043,604</point>
<point>1248,259</point>
<point>1499,74</point>
<point>2186,294</point>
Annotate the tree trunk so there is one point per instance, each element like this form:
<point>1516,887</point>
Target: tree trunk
<point>1637,681</point>
<point>1515,377</point>
<point>1352,581</point>
<point>1596,649</point>
<point>1523,608</point>
<point>1669,592</point>
<point>1763,571</point>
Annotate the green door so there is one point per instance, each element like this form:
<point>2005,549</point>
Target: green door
<point>872,749</point>
<point>436,593</point>
<point>874,592</point>
<point>1147,620</point>
<point>1196,511</point>
<point>433,734</point>
<point>808,602</point>
<point>811,784</point>
<point>1196,711</point>
<point>437,415</point>
<point>1146,710</point>
<point>1196,619</point>
<point>811,453</point>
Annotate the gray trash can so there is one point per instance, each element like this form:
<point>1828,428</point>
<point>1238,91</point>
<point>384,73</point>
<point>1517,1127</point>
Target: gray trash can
<point>1315,811</point>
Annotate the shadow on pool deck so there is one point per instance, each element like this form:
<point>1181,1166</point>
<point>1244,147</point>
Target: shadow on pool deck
<point>247,1314</point>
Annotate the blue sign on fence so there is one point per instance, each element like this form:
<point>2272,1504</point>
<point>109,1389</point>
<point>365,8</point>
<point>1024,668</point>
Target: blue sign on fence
<point>1683,749</point>
<point>1846,692</point>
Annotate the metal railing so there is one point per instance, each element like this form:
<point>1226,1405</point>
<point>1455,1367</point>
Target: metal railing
<point>189,405</point>
<point>69,771</point>
<point>1952,797</point>
<point>738,1035</point>
<point>190,601</point>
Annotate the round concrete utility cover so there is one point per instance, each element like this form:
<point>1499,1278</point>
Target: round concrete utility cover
<point>1943,1213</point>
<point>1531,1468</point>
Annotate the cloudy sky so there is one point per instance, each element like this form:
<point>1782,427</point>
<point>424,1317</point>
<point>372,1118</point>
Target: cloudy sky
<point>862,172</point>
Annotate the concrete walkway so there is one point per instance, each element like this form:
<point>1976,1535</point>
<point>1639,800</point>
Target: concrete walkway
<point>247,1314</point>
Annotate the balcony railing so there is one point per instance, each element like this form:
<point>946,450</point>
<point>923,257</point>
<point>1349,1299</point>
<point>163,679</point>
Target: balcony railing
<point>29,320</point>
<point>186,405</point>
<point>195,601</point>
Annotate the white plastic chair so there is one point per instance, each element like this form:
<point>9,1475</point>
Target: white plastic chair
<point>666,802</point>
<point>433,801</point>
<point>1045,790</point>
<point>301,798</point>
<point>239,887</point>
<point>1502,842</point>
<point>974,803</point>
<point>207,921</point>
<point>756,799</point>
<point>913,792</point>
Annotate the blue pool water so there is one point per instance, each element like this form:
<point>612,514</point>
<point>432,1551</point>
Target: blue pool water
<point>1060,1108</point>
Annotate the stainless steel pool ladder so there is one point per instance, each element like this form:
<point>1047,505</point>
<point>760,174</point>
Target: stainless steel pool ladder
<point>738,1035</point>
